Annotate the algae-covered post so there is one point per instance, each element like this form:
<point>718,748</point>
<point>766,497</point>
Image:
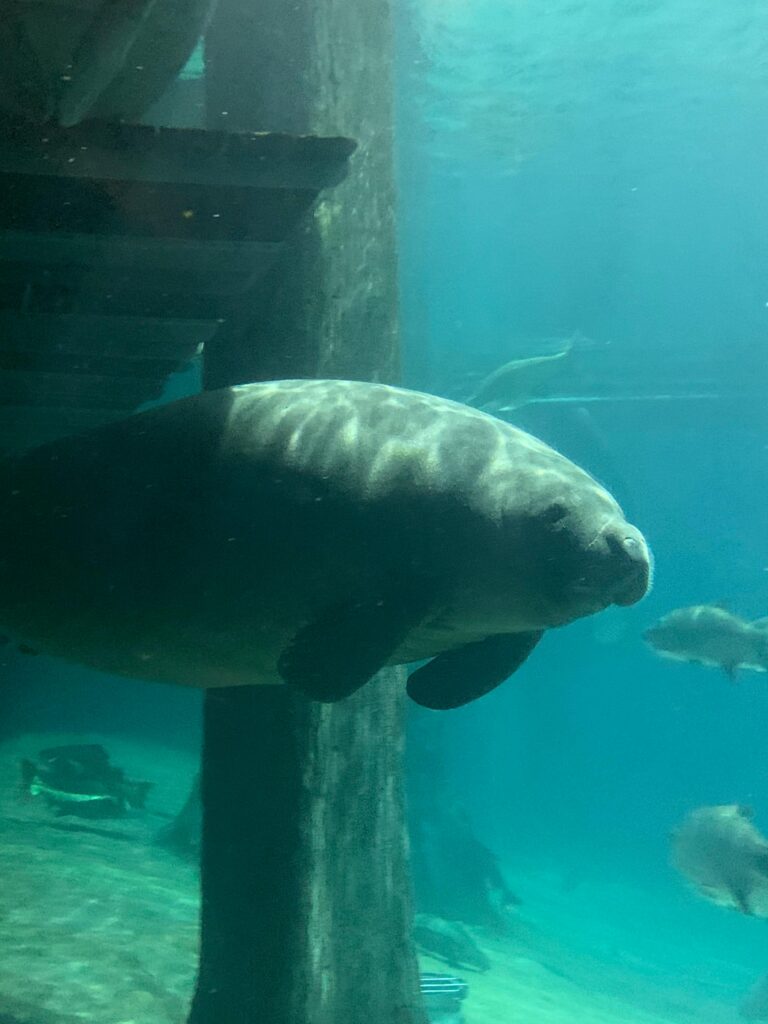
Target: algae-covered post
<point>306,905</point>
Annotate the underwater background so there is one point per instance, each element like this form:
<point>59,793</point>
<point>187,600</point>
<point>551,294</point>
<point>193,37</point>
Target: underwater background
<point>598,169</point>
<point>596,172</point>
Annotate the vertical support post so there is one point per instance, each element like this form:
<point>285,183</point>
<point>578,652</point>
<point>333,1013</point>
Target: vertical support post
<point>306,894</point>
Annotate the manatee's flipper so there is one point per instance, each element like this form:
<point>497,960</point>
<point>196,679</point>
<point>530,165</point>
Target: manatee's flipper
<point>459,676</point>
<point>344,646</point>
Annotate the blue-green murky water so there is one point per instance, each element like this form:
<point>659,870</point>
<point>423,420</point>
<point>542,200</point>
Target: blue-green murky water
<point>588,173</point>
<point>600,168</point>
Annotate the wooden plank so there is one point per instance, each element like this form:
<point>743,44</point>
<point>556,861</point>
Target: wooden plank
<point>125,337</point>
<point>24,426</point>
<point>18,387</point>
<point>88,365</point>
<point>145,153</point>
<point>60,290</point>
<point>120,206</point>
<point>223,268</point>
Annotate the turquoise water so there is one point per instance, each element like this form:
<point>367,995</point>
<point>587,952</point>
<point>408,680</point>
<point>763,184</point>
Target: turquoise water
<point>599,168</point>
<point>586,173</point>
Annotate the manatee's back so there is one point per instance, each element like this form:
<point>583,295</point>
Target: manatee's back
<point>213,527</point>
<point>84,518</point>
<point>376,439</point>
<point>373,439</point>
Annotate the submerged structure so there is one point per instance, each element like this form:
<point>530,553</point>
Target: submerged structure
<point>128,250</point>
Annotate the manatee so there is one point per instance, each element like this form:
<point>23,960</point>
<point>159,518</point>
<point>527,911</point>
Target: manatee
<point>725,857</point>
<point>711,635</point>
<point>307,532</point>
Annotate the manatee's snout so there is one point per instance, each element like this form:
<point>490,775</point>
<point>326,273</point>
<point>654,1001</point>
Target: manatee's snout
<point>613,566</point>
<point>631,564</point>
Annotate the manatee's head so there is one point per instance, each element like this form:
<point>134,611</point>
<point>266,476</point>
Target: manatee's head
<point>570,550</point>
<point>596,561</point>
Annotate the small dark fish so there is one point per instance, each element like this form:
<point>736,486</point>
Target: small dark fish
<point>78,779</point>
<point>448,940</point>
<point>708,634</point>
<point>724,857</point>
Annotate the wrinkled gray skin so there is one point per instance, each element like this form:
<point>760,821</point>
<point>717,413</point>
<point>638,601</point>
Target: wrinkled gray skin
<point>307,532</point>
<point>710,635</point>
<point>724,857</point>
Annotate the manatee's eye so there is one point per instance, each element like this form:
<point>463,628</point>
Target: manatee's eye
<point>554,512</point>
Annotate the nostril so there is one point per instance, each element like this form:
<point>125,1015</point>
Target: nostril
<point>628,548</point>
<point>631,566</point>
<point>623,546</point>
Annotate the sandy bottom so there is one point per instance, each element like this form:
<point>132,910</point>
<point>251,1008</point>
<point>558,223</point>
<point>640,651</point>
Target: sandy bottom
<point>99,924</point>
<point>563,962</point>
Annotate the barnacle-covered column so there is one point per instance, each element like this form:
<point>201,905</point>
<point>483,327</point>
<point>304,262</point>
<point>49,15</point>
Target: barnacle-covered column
<point>306,902</point>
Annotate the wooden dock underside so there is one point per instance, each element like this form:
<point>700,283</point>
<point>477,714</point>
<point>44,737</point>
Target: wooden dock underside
<point>125,250</point>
